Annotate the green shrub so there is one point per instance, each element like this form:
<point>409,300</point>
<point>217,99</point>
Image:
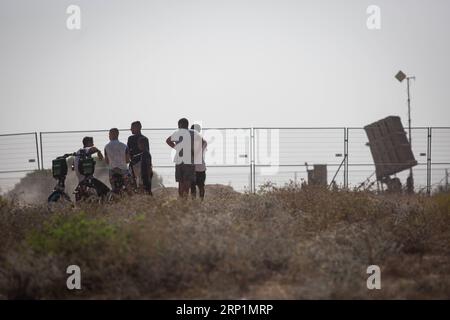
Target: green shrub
<point>76,234</point>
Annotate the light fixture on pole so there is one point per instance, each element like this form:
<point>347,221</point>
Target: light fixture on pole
<point>400,76</point>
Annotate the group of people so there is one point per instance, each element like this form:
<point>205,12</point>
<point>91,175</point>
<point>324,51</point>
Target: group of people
<point>189,158</point>
<point>133,161</point>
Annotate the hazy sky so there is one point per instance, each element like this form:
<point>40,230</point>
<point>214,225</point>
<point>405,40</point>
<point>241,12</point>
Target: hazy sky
<point>228,63</point>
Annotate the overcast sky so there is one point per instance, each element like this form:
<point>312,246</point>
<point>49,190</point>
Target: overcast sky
<point>228,63</point>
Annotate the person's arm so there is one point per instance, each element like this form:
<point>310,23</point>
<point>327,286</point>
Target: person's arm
<point>97,151</point>
<point>170,142</point>
<point>130,145</point>
<point>106,157</point>
<point>147,144</point>
<point>127,156</point>
<point>150,155</point>
<point>100,155</point>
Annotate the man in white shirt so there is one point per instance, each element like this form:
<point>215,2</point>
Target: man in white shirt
<point>188,146</point>
<point>117,157</point>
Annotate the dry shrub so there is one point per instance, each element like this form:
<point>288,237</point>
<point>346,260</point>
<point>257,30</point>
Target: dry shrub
<point>287,242</point>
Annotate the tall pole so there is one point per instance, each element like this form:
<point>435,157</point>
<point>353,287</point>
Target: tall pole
<point>409,110</point>
<point>410,180</point>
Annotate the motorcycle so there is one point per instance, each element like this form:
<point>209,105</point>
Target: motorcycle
<point>89,188</point>
<point>59,172</point>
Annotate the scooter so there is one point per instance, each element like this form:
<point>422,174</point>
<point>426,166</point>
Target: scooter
<point>89,188</point>
<point>59,172</point>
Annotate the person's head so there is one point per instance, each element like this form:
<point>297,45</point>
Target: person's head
<point>114,134</point>
<point>142,144</point>
<point>183,123</point>
<point>88,142</point>
<point>136,127</point>
<point>196,127</point>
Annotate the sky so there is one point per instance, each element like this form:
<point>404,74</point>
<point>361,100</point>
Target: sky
<point>233,63</point>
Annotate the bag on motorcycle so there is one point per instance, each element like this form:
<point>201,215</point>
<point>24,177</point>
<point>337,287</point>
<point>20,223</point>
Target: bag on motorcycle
<point>59,168</point>
<point>86,166</point>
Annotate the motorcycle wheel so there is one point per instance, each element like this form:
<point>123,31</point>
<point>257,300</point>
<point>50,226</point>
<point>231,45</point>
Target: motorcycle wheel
<point>54,197</point>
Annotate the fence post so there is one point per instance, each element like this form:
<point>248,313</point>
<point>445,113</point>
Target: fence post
<point>429,161</point>
<point>42,151</point>
<point>37,150</point>
<point>346,131</point>
<point>252,161</point>
<point>251,158</point>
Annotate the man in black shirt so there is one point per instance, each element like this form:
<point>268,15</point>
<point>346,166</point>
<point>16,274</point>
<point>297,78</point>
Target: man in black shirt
<point>145,166</point>
<point>135,153</point>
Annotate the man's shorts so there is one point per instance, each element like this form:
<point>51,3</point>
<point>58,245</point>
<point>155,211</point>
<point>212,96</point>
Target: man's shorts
<point>200,178</point>
<point>126,176</point>
<point>185,173</point>
<point>136,169</point>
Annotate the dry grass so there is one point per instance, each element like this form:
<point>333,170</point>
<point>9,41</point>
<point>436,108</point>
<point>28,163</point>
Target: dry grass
<point>280,243</point>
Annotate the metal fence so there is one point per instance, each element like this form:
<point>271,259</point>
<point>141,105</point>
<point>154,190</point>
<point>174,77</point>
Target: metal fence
<point>246,158</point>
<point>228,155</point>
<point>19,154</point>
